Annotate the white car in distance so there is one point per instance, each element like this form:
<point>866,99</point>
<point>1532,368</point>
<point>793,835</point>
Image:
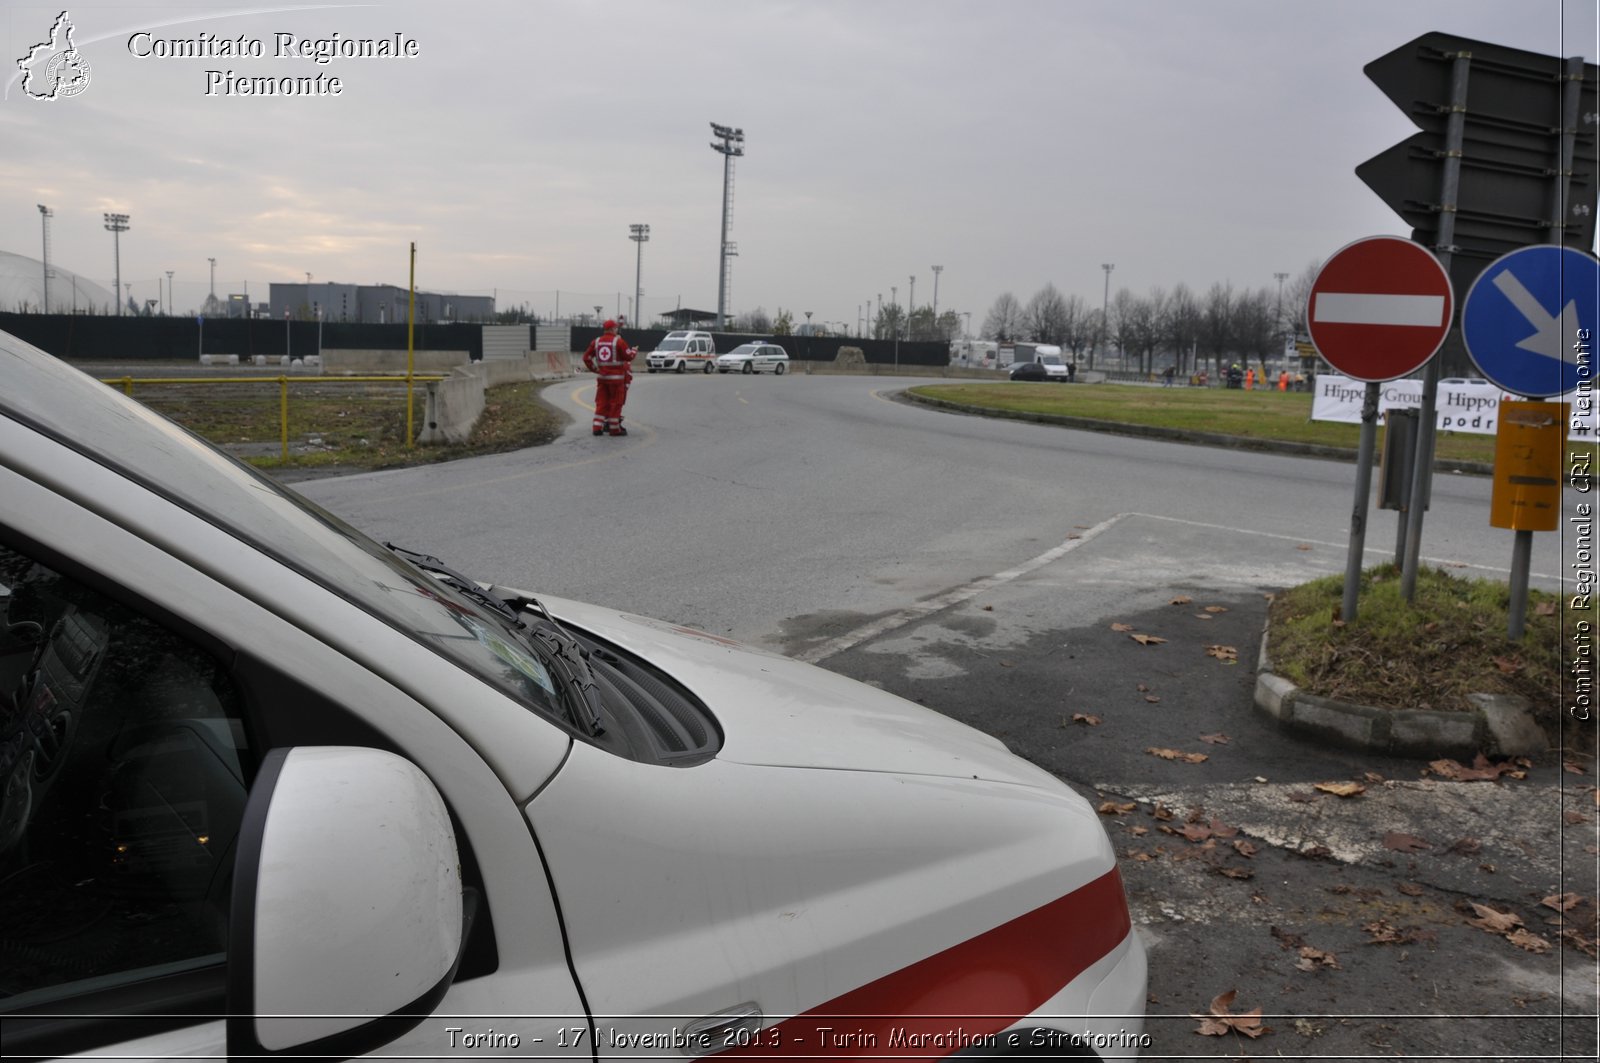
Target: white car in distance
<point>754,358</point>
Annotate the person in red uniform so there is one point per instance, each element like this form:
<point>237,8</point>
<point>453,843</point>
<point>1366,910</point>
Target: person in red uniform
<point>611,359</point>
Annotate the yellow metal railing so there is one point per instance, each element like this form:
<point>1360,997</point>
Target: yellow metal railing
<point>283,382</point>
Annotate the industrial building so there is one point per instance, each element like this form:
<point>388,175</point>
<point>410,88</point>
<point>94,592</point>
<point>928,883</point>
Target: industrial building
<point>374,304</point>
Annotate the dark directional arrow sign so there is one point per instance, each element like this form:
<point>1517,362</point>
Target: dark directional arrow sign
<point>1512,150</point>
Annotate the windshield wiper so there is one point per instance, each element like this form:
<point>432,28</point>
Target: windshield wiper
<point>452,578</point>
<point>573,660</point>
<point>578,688</point>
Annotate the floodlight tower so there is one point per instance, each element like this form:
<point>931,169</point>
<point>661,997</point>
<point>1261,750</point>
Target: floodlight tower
<point>45,214</point>
<point>116,225</point>
<point>732,146</point>
<point>640,235</point>
<point>936,271</point>
<point>213,277</point>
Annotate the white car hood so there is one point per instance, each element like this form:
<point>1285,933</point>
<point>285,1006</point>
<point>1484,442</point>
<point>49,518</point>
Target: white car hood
<point>777,711</point>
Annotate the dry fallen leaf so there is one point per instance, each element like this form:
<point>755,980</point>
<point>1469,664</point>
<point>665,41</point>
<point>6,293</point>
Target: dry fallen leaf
<point>1562,902</point>
<point>1161,812</point>
<point>1220,1020</point>
<point>1121,627</point>
<point>1508,665</point>
<point>1216,609</point>
<point>1202,616</point>
<point>1147,640</point>
<point>1404,843</point>
<point>1236,872</point>
<point>1086,719</point>
<point>1173,754</point>
<point>1111,808</point>
<point>1244,848</point>
<point>1311,959</point>
<point>1225,654</point>
<point>1341,789</point>
<point>1410,889</point>
<point>1523,939</point>
<point>1494,922</point>
<point>1303,546</point>
<point>1218,739</point>
<point>1574,817</point>
<point>1182,599</point>
<point>1138,832</point>
<point>1153,699</point>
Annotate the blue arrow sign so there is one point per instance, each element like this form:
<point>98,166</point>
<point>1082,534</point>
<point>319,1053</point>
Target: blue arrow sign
<point>1529,320</point>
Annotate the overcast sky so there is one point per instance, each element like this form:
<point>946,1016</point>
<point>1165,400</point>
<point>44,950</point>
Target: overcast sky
<point>1014,143</point>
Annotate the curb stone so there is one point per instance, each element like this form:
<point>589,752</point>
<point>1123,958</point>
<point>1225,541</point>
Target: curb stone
<point>1496,723</point>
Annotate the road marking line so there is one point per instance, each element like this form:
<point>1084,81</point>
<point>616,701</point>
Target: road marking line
<point>951,597</point>
<point>1321,542</point>
<point>1372,308</point>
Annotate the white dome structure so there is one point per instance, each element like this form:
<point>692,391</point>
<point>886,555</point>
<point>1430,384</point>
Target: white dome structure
<point>22,289</point>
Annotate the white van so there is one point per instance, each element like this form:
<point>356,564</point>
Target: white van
<point>683,349</point>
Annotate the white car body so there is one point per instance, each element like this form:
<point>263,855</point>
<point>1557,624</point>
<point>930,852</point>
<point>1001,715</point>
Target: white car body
<point>681,351</point>
<point>754,358</point>
<point>423,840</point>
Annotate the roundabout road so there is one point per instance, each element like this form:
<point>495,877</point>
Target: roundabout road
<point>783,510</point>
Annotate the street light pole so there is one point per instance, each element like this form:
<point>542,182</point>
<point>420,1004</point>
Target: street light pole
<point>213,277</point>
<point>171,302</point>
<point>911,303</point>
<point>1281,278</point>
<point>936,271</point>
<point>732,146</point>
<point>117,224</point>
<point>1105,303</point>
<point>639,234</point>
<point>45,214</point>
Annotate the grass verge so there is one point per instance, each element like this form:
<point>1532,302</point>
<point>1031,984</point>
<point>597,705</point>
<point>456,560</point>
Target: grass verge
<point>1265,415</point>
<point>347,428</point>
<point>1429,653</point>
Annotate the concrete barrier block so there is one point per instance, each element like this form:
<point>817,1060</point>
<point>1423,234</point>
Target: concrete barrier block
<point>1510,724</point>
<point>1274,695</point>
<point>1355,725</point>
<point>1426,732</point>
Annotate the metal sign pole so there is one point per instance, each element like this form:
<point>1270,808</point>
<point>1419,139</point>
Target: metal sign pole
<point>1358,513</point>
<point>1450,185</point>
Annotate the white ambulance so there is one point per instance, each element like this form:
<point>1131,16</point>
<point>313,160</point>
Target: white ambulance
<point>680,351</point>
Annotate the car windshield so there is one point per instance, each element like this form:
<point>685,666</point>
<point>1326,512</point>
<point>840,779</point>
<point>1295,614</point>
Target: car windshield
<point>670,345</point>
<point>746,348</point>
<point>116,432</point>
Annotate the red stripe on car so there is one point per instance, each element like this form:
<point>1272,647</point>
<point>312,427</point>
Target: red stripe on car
<point>979,987</point>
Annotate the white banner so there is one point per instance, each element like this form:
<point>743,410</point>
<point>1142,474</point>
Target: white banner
<point>1458,407</point>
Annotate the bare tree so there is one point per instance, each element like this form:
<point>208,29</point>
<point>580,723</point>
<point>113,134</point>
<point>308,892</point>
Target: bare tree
<point>1255,326</point>
<point>890,322</point>
<point>1216,324</point>
<point>1082,324</point>
<point>1005,320</point>
<point>1045,317</point>
<point>1180,327</point>
<point>753,321</point>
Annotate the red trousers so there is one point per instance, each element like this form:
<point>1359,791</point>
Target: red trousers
<point>609,395</point>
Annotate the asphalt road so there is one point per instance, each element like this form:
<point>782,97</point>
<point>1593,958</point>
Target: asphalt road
<point>977,566</point>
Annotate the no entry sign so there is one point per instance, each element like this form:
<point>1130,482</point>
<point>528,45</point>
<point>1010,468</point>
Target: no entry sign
<point>1380,308</point>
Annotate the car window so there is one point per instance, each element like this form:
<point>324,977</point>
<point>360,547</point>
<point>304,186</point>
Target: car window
<point>124,769</point>
<point>668,346</point>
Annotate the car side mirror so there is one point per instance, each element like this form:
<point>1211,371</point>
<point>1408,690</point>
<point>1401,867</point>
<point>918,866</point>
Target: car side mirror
<point>347,919</point>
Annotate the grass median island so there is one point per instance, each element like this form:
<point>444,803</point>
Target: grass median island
<point>347,427</point>
<point>1429,653</point>
<point>1266,415</point>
